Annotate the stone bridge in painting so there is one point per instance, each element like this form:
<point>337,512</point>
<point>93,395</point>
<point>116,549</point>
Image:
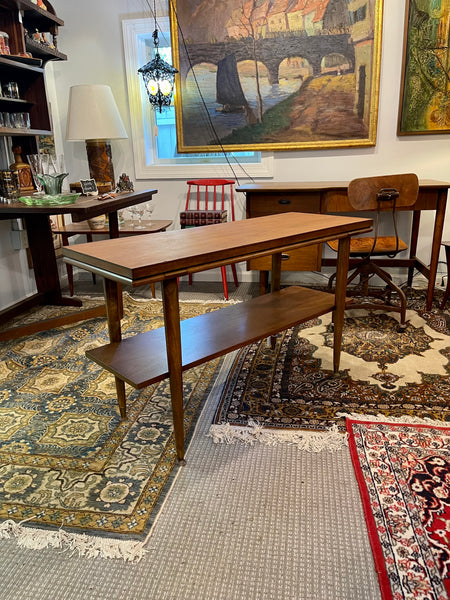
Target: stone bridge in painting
<point>271,52</point>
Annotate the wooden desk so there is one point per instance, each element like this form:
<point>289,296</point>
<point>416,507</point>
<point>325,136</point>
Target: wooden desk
<point>167,352</point>
<point>40,240</point>
<point>331,197</point>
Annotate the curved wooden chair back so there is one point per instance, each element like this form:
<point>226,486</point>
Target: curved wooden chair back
<point>363,192</point>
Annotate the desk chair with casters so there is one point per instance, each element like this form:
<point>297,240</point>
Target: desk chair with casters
<point>382,194</point>
<point>206,204</point>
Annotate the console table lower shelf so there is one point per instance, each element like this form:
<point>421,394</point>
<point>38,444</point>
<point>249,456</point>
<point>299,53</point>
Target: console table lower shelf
<point>142,359</point>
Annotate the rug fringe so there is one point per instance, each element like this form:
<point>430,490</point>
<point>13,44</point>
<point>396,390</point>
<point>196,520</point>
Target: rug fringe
<point>85,545</point>
<point>310,441</point>
<point>391,419</point>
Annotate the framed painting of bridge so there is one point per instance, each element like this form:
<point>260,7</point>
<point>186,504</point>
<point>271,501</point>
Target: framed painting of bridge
<point>424,96</point>
<point>276,74</point>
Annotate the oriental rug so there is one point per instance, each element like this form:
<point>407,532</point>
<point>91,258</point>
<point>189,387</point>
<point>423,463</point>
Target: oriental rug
<point>403,473</point>
<point>72,475</point>
<point>292,387</point>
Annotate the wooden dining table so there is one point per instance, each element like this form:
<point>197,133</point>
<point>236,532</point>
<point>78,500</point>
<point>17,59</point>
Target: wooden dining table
<point>42,253</point>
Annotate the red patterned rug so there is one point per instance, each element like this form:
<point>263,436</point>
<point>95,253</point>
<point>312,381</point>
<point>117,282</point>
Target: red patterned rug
<point>403,472</point>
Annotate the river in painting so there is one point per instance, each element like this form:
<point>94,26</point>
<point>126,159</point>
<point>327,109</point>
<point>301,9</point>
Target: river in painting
<point>203,120</point>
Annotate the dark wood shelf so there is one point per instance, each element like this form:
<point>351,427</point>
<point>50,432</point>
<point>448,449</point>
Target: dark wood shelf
<point>43,51</point>
<point>19,19</point>
<point>142,359</point>
<point>19,103</point>
<point>23,132</point>
<point>9,66</point>
<point>41,18</point>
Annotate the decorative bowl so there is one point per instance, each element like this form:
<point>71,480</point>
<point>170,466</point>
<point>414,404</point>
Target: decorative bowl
<point>97,222</point>
<point>49,200</point>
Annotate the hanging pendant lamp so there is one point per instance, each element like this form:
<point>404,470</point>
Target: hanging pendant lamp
<point>158,78</point>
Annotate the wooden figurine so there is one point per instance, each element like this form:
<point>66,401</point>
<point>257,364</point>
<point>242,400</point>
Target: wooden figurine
<point>124,184</point>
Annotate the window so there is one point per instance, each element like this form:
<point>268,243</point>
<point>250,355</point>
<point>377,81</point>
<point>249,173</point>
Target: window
<point>154,134</point>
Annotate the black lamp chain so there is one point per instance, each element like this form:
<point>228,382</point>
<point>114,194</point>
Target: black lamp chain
<point>155,32</point>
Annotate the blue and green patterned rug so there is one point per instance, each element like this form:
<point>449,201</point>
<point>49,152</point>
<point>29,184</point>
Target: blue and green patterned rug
<point>67,463</point>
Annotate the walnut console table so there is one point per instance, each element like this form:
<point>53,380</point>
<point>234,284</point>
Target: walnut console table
<point>167,352</point>
<point>331,197</point>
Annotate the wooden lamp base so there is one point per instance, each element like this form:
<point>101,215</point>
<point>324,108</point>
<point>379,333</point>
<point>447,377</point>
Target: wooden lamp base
<point>100,161</point>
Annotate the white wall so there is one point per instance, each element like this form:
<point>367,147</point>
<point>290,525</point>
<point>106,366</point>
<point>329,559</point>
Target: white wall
<point>92,39</point>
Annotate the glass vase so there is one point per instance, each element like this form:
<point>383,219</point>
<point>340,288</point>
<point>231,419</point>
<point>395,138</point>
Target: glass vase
<point>52,184</point>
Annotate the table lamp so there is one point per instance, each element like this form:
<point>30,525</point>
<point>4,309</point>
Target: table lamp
<point>93,117</point>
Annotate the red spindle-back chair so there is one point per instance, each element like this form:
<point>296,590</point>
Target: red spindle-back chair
<point>208,196</point>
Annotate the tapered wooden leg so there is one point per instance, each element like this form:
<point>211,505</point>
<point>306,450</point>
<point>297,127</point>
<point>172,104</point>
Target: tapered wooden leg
<point>275,285</point>
<point>340,294</point>
<point>235,277</point>
<point>413,244</point>
<point>173,346</point>
<point>275,281</point>
<point>114,313</point>
<point>121,398</point>
<point>263,280</point>
<point>69,270</point>
<point>435,249</point>
<point>447,291</point>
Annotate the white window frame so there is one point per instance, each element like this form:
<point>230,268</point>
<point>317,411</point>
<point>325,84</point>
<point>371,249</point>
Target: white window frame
<point>132,29</point>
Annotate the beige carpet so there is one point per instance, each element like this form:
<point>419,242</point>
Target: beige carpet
<point>241,523</point>
<point>253,523</point>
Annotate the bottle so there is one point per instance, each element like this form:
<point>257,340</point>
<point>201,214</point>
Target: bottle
<point>23,171</point>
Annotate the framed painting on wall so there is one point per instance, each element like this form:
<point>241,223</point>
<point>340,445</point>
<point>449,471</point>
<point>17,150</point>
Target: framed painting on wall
<point>276,75</point>
<point>424,96</point>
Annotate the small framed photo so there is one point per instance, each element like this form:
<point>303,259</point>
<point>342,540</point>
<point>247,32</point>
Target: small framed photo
<point>88,187</point>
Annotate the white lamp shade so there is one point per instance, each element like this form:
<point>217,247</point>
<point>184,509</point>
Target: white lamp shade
<point>93,114</point>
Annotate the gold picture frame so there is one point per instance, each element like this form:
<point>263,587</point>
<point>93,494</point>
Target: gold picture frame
<point>251,78</point>
<point>424,96</point>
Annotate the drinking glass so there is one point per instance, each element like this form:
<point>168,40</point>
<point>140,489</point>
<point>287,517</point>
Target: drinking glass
<point>11,90</point>
<point>56,164</point>
<point>35,162</point>
<point>7,122</point>
<point>21,120</point>
<point>139,212</point>
<point>149,208</point>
